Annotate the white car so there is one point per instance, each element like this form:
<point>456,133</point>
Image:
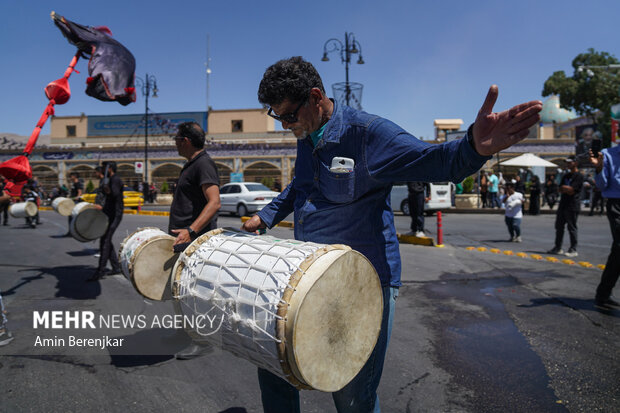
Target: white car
<point>242,198</point>
<point>440,198</point>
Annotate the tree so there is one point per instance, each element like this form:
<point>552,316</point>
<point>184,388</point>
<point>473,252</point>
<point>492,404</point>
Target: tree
<point>590,92</point>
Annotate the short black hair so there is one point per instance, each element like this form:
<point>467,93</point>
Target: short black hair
<point>289,79</point>
<point>193,132</point>
<point>110,164</point>
<point>77,175</point>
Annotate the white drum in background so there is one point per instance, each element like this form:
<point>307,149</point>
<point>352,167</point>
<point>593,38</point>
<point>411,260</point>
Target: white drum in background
<point>147,259</point>
<point>23,209</point>
<point>87,222</point>
<point>64,206</point>
<point>309,313</point>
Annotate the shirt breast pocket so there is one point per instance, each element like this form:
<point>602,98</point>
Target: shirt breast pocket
<point>338,187</point>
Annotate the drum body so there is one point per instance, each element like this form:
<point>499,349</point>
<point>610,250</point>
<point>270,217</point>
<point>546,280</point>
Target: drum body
<point>87,222</point>
<point>63,206</point>
<point>147,259</point>
<point>23,209</point>
<point>309,313</point>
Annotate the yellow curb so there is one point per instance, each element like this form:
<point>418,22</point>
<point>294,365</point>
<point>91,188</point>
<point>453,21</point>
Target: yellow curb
<point>552,259</point>
<point>481,249</point>
<point>45,208</point>
<point>411,239</point>
<point>521,254</point>
<point>536,256</point>
<point>508,252</point>
<point>440,245</point>
<point>495,251</point>
<point>130,212</point>
<point>585,264</point>
<point>601,267</point>
<point>569,262</point>
<point>470,248</point>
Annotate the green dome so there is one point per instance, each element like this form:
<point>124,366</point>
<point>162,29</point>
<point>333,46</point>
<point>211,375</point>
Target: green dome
<point>552,112</point>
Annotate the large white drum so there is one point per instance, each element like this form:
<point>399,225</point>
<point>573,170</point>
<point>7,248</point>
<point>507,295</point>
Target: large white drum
<point>87,222</point>
<point>63,206</point>
<point>147,259</point>
<point>307,312</point>
<point>23,209</point>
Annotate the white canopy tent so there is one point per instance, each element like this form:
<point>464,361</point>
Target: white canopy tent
<point>527,160</point>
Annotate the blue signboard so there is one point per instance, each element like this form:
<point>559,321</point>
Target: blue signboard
<point>236,177</point>
<point>134,125</point>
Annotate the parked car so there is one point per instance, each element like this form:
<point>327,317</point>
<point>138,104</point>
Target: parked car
<point>131,198</point>
<point>440,198</point>
<point>242,198</point>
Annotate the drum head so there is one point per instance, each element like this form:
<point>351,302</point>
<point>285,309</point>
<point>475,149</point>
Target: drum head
<point>90,224</point>
<point>31,209</point>
<point>334,319</point>
<point>64,206</point>
<point>152,265</point>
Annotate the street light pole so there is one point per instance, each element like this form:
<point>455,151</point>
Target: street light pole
<point>350,46</point>
<point>146,84</point>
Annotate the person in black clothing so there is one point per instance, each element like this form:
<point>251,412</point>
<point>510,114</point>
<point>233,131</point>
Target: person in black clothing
<point>519,185</point>
<point>30,195</point>
<point>417,195</point>
<point>568,210</point>
<point>196,202</point>
<point>113,207</point>
<point>77,189</point>
<point>551,191</point>
<point>5,201</point>
<point>197,195</point>
<point>535,196</point>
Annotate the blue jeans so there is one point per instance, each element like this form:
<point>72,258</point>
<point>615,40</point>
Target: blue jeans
<point>493,200</point>
<point>514,226</point>
<point>359,396</point>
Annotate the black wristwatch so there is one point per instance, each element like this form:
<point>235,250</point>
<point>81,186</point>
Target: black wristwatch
<point>192,234</point>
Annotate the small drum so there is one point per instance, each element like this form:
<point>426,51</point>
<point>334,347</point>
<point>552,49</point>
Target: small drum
<point>63,206</point>
<point>309,313</point>
<point>147,260</point>
<point>87,222</point>
<point>23,209</point>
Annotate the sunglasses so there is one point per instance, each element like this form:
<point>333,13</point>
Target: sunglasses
<point>287,117</point>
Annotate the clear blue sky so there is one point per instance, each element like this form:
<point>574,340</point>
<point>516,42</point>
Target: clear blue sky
<point>424,59</point>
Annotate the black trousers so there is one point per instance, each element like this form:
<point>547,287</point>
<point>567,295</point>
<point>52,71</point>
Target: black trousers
<point>534,203</point>
<point>612,268</point>
<point>416,211</point>
<point>566,217</point>
<point>106,248</point>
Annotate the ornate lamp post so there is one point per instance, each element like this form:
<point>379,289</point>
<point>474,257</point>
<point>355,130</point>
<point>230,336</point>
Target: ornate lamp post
<point>350,46</point>
<point>148,85</point>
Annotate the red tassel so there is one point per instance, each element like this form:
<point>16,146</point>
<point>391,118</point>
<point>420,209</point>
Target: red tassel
<point>89,80</point>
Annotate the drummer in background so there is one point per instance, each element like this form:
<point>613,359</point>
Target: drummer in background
<point>5,201</point>
<point>113,206</point>
<point>196,200</point>
<point>77,189</point>
<point>347,161</point>
<point>30,195</point>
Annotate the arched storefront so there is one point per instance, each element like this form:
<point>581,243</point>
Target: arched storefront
<point>127,172</point>
<point>47,177</point>
<point>224,171</point>
<point>167,173</point>
<point>263,172</point>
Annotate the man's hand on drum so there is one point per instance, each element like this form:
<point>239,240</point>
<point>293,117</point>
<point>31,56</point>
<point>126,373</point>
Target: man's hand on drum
<point>182,236</point>
<point>253,224</point>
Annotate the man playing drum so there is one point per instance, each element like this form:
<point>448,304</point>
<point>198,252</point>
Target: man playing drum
<point>77,189</point>
<point>196,198</point>
<point>112,187</point>
<point>346,163</point>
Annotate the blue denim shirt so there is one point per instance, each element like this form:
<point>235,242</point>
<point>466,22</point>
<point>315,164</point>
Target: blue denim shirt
<point>354,208</point>
<point>608,181</point>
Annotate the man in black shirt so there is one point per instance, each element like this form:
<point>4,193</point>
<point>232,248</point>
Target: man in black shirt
<point>418,193</point>
<point>568,210</point>
<point>113,207</point>
<point>77,189</point>
<point>197,196</point>
<point>196,201</point>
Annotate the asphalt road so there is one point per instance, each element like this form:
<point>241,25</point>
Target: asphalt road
<point>474,331</point>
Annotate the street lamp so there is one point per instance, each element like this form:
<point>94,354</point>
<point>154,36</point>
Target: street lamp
<point>148,85</point>
<point>350,46</point>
